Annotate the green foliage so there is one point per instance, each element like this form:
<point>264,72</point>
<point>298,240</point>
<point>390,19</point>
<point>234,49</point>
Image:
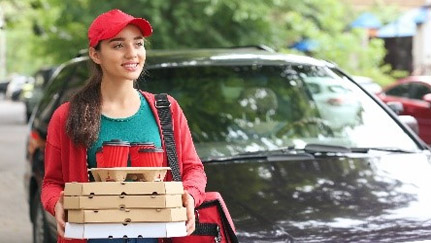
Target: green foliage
<point>177,24</point>
<point>44,32</point>
<point>326,22</point>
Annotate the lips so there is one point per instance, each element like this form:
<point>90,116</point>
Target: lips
<point>130,66</point>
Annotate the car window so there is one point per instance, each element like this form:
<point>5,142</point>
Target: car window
<point>418,90</point>
<point>235,109</point>
<point>314,88</point>
<point>76,81</point>
<point>225,103</point>
<point>39,80</point>
<point>401,90</point>
<point>52,92</point>
<point>337,89</point>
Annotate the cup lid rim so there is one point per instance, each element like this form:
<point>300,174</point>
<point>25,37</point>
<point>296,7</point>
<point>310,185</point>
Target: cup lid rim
<point>141,143</point>
<point>151,150</point>
<point>116,142</point>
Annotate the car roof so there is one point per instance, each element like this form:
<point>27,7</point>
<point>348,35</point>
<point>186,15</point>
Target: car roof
<point>425,79</point>
<point>362,79</point>
<point>221,56</point>
<point>228,56</point>
<point>409,79</point>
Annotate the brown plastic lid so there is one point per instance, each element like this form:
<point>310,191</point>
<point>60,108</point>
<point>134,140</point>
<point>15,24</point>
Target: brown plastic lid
<point>142,144</point>
<point>147,150</point>
<point>116,142</point>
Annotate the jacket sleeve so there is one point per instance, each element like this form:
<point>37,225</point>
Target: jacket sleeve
<point>193,174</point>
<point>53,182</point>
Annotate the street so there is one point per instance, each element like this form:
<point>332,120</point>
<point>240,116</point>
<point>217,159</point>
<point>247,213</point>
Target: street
<point>15,223</point>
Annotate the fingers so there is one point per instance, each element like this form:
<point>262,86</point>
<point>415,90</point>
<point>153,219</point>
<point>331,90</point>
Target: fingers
<point>60,230</point>
<point>190,223</point>
<point>60,215</point>
<point>189,203</point>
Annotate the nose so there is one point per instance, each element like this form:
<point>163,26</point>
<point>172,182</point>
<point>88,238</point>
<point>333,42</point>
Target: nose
<point>131,52</point>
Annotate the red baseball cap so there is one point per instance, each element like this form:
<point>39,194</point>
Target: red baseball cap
<point>109,24</point>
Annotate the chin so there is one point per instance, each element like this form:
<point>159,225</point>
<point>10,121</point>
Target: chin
<point>133,76</point>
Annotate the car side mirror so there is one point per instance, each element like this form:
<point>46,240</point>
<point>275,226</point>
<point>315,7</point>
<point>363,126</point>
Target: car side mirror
<point>396,107</point>
<point>427,98</point>
<point>411,122</point>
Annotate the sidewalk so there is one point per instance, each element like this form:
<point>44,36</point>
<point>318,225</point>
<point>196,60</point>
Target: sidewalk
<point>15,223</point>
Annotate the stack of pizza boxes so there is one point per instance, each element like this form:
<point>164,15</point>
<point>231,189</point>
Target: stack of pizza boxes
<point>116,206</point>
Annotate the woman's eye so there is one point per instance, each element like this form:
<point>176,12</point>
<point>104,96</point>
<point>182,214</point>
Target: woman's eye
<point>140,43</point>
<point>119,45</point>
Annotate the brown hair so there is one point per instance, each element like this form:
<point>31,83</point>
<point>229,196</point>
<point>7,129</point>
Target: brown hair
<point>83,122</point>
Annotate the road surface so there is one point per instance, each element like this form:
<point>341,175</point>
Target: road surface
<point>15,223</point>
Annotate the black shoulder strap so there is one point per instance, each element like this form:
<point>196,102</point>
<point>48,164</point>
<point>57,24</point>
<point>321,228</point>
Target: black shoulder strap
<point>164,110</point>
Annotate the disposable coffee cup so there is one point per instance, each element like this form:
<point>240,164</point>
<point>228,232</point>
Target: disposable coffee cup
<point>135,147</point>
<point>149,157</point>
<point>99,157</point>
<point>115,153</point>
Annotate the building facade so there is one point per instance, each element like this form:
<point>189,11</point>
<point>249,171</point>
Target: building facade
<point>408,38</point>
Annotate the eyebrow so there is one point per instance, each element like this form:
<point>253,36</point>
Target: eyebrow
<point>123,39</point>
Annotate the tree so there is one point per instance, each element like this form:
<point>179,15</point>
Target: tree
<point>20,57</point>
<point>177,24</point>
<point>56,30</point>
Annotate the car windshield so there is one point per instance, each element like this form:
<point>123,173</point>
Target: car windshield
<point>249,108</point>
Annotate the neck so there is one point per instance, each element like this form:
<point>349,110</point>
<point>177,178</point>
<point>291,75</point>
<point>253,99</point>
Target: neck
<point>119,99</point>
<point>120,92</point>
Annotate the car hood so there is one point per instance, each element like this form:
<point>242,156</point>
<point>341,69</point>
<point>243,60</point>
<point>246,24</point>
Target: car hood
<point>379,197</point>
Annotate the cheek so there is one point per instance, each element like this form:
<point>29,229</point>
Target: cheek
<point>108,62</point>
<point>143,55</point>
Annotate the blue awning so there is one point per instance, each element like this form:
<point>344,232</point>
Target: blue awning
<point>405,25</point>
<point>421,16</point>
<point>366,20</point>
<point>304,45</point>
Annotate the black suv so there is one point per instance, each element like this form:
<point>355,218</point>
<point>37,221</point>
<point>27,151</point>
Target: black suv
<point>32,93</point>
<point>298,150</point>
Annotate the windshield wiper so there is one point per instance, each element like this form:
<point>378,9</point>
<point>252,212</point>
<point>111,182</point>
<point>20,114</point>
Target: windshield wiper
<point>309,152</point>
<point>270,155</point>
<point>324,148</point>
<point>290,153</point>
<point>384,149</point>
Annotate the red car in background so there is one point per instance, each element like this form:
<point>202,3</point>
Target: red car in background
<point>414,93</point>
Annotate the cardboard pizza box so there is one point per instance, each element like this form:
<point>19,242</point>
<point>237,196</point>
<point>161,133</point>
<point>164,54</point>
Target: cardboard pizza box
<point>123,202</point>
<point>127,215</point>
<point>122,188</point>
<point>118,230</point>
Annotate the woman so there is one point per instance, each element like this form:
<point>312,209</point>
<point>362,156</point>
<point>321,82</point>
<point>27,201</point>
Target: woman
<point>110,107</point>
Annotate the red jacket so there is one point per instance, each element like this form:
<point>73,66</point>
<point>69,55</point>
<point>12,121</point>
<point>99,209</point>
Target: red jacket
<point>66,161</point>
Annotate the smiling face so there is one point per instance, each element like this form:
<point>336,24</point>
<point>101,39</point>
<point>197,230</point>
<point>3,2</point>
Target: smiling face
<point>121,57</point>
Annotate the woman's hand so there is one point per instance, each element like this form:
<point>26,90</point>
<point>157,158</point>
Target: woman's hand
<point>189,203</point>
<point>59,215</point>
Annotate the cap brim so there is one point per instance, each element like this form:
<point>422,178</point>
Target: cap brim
<point>143,25</point>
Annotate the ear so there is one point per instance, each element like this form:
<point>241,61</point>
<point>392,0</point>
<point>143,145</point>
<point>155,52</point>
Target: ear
<point>94,55</point>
